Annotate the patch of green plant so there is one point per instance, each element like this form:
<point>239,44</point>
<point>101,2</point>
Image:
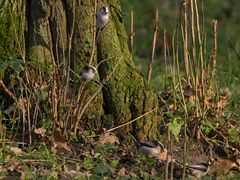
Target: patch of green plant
<point>206,126</point>
<point>115,163</point>
<point>101,169</point>
<point>175,125</point>
<point>105,147</point>
<point>234,135</point>
<point>88,162</point>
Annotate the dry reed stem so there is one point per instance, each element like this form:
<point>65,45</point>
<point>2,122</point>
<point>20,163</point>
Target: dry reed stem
<point>165,57</point>
<point>233,47</point>
<point>9,92</point>
<point>94,34</point>
<point>122,125</point>
<point>194,55</point>
<point>54,77</point>
<point>153,47</point>
<point>168,150</point>
<point>185,37</point>
<point>202,71</point>
<point>214,52</point>
<point>79,115</point>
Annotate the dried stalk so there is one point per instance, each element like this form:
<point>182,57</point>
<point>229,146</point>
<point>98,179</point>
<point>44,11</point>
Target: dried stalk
<point>214,52</point>
<point>202,71</point>
<point>195,64</point>
<point>94,33</point>
<point>54,77</point>
<point>185,37</point>
<point>165,57</point>
<point>233,47</point>
<point>153,47</point>
<point>122,125</point>
<point>79,116</point>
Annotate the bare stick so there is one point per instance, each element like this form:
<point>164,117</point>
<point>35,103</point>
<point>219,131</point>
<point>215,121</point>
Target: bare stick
<point>54,76</point>
<point>165,57</point>
<point>94,33</point>
<point>153,47</point>
<point>84,108</point>
<point>214,52</point>
<point>8,92</point>
<point>120,126</point>
<point>186,39</point>
<point>233,47</point>
<point>202,71</point>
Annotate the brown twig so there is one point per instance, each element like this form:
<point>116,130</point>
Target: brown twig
<point>214,52</point>
<point>94,33</point>
<point>185,39</point>
<point>153,47</point>
<point>8,92</point>
<point>202,71</point>
<point>54,76</point>
<point>122,125</point>
<point>233,47</point>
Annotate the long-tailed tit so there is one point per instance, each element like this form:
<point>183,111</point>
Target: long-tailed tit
<point>102,18</point>
<point>87,73</point>
<point>150,148</point>
<point>198,170</point>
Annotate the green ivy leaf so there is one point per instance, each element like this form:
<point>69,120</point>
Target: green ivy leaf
<point>115,163</point>
<point>175,126</point>
<point>101,169</point>
<point>16,65</point>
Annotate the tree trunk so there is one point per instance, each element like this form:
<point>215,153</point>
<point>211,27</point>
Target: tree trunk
<point>60,34</point>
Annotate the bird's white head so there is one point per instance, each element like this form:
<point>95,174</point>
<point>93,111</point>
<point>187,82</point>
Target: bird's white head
<point>93,69</point>
<point>104,10</point>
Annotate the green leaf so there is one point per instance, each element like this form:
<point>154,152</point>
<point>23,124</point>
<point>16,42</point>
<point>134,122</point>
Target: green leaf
<point>206,126</point>
<point>233,132</point>
<point>41,95</point>
<point>115,163</point>
<point>175,126</point>
<point>101,169</point>
<point>16,65</point>
<point>88,162</point>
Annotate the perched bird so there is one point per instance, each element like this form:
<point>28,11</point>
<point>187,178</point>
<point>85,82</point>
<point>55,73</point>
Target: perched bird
<point>150,148</point>
<point>102,18</point>
<point>87,73</point>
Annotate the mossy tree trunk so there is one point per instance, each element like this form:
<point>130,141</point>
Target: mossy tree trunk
<point>60,34</point>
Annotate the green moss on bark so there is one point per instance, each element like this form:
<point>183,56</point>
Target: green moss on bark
<point>128,95</point>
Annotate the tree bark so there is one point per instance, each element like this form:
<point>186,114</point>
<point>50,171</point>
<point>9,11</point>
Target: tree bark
<point>60,33</point>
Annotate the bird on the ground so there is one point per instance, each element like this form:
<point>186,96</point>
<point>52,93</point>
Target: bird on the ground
<point>150,148</point>
<point>198,170</point>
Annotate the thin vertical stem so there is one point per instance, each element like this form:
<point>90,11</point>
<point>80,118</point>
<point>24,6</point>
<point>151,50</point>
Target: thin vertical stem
<point>165,57</point>
<point>153,47</point>
<point>94,33</point>
<point>214,52</point>
<point>185,37</point>
<point>195,64</point>
<point>202,72</point>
